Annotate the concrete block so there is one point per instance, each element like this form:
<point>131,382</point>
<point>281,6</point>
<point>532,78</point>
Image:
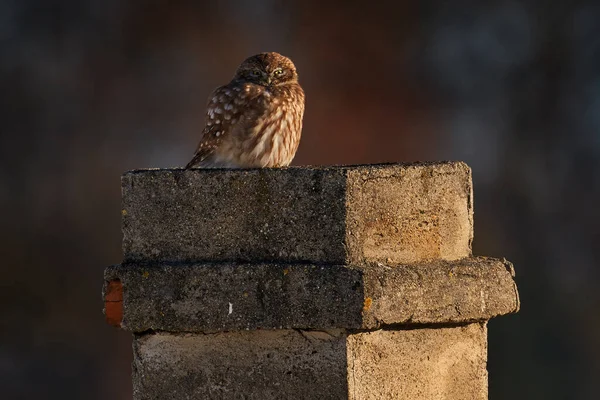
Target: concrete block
<point>446,363</point>
<point>232,296</point>
<point>443,363</point>
<point>351,215</point>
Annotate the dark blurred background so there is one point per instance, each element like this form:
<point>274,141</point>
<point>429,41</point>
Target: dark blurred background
<point>90,89</point>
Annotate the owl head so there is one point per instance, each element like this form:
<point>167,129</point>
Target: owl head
<point>267,69</point>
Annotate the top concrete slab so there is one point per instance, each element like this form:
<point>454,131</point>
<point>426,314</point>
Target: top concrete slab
<point>351,215</point>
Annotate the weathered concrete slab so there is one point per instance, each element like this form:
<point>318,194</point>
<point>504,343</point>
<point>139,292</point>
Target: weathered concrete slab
<point>446,363</point>
<point>228,297</point>
<point>349,215</point>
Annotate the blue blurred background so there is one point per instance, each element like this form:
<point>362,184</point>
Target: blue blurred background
<point>92,88</point>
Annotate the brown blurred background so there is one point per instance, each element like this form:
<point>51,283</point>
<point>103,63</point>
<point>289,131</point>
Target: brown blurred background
<point>92,88</point>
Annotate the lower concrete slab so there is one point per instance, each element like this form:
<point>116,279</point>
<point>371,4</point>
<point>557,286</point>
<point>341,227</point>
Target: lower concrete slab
<point>443,363</point>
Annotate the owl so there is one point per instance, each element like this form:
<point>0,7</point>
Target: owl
<point>255,120</point>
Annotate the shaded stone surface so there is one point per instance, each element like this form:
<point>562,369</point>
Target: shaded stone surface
<point>445,363</point>
<point>223,297</point>
<point>395,213</point>
<point>281,364</point>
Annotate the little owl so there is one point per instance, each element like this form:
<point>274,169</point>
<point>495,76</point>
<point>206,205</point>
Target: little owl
<point>256,119</point>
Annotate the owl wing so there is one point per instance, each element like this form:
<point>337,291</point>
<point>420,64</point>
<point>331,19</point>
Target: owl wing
<point>213,131</point>
<point>230,107</point>
<point>206,148</point>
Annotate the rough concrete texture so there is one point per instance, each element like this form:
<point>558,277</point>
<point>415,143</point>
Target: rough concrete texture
<point>409,214</point>
<point>335,215</point>
<point>433,364</point>
<point>471,289</point>
<point>230,296</point>
<point>282,364</point>
<point>447,363</point>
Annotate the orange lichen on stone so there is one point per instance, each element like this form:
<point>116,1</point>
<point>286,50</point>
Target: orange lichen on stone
<point>367,304</point>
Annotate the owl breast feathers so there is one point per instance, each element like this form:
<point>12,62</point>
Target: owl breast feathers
<point>255,120</point>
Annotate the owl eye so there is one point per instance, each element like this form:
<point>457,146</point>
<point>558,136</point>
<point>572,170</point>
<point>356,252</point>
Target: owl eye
<point>256,73</point>
<point>278,72</point>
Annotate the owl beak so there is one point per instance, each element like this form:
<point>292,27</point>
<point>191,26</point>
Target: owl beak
<point>268,80</point>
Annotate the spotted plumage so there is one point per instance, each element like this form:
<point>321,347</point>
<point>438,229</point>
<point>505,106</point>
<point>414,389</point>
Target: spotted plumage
<point>256,119</point>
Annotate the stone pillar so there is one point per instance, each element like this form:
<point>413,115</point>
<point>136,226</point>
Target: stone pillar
<point>306,283</point>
